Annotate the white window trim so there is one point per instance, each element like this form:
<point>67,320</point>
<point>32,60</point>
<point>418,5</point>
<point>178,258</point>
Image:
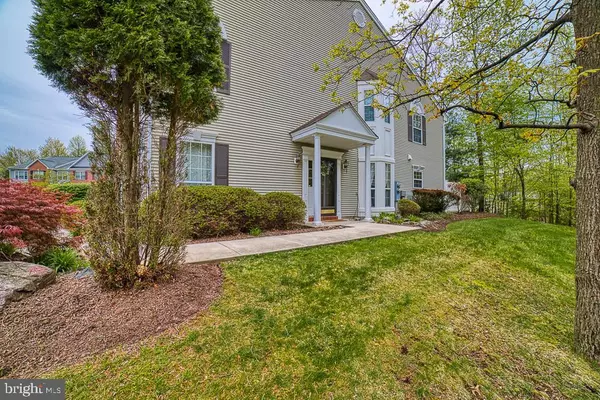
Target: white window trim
<point>17,172</point>
<point>78,178</point>
<point>63,176</point>
<point>387,190</point>
<point>369,93</point>
<point>417,110</point>
<point>414,116</point>
<point>373,184</point>
<point>199,136</point>
<point>38,172</point>
<point>420,169</point>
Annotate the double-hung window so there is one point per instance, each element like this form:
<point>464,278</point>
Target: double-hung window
<point>386,103</point>
<point>368,106</point>
<point>388,185</point>
<point>417,179</point>
<point>38,175</point>
<point>372,184</point>
<point>417,126</point>
<point>80,176</point>
<point>198,163</point>
<point>20,175</point>
<point>62,176</point>
<point>226,59</point>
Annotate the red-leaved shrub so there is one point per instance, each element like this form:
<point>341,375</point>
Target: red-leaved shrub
<point>32,217</point>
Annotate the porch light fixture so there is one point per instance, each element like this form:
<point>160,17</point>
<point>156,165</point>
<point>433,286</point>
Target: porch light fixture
<point>345,165</point>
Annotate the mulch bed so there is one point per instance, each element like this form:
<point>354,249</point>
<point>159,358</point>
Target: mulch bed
<point>75,318</point>
<point>299,229</point>
<point>438,226</point>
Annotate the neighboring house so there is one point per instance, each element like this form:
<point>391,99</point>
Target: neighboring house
<point>54,169</point>
<point>262,139</point>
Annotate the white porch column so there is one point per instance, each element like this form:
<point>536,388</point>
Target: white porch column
<point>317,181</point>
<point>368,183</point>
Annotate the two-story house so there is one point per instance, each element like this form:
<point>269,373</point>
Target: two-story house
<point>276,125</point>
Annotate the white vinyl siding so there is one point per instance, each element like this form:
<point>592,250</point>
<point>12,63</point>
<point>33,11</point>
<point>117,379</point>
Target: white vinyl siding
<point>276,92</point>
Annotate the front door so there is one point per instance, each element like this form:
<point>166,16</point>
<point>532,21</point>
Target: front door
<point>328,186</point>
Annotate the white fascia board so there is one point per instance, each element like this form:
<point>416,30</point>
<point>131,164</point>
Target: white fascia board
<point>334,132</point>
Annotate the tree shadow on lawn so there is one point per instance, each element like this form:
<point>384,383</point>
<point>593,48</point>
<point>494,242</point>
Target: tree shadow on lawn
<point>444,315</point>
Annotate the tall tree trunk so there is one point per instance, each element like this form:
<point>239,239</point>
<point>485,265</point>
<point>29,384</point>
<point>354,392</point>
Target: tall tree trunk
<point>586,21</point>
<point>128,141</point>
<point>481,164</point>
<point>521,174</point>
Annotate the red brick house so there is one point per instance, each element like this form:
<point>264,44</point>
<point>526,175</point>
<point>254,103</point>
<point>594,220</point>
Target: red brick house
<point>54,169</point>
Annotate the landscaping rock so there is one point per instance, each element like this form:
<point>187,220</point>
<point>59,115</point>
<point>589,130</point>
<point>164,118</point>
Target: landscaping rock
<point>20,279</point>
<point>84,273</point>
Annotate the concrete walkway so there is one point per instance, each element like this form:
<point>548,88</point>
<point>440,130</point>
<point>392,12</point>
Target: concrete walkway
<point>227,250</point>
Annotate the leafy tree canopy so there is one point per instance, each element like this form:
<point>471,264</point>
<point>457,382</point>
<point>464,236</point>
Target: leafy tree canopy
<point>14,156</point>
<point>53,148</point>
<point>77,146</point>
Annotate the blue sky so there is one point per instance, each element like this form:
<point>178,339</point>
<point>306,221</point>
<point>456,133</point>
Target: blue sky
<point>30,109</point>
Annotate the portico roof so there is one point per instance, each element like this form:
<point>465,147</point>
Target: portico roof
<point>341,128</point>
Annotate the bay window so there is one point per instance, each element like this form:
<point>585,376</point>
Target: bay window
<point>388,185</point>
<point>368,104</point>
<point>372,184</point>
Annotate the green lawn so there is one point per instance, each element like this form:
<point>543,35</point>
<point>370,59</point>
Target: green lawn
<point>483,310</point>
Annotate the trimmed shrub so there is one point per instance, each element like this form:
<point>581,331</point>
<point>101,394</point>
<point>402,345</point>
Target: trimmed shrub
<point>285,209</point>
<point>223,210</point>
<point>62,259</point>
<point>433,200</point>
<point>32,217</point>
<point>408,207</point>
<point>78,191</point>
<point>475,190</point>
<point>79,204</point>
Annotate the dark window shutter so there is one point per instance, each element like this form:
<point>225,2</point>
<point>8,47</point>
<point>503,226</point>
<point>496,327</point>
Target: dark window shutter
<point>424,125</point>
<point>222,164</point>
<point>86,175</point>
<point>410,128</point>
<point>226,58</point>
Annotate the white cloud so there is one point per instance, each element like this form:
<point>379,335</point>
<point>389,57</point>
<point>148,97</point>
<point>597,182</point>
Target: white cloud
<point>30,109</point>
